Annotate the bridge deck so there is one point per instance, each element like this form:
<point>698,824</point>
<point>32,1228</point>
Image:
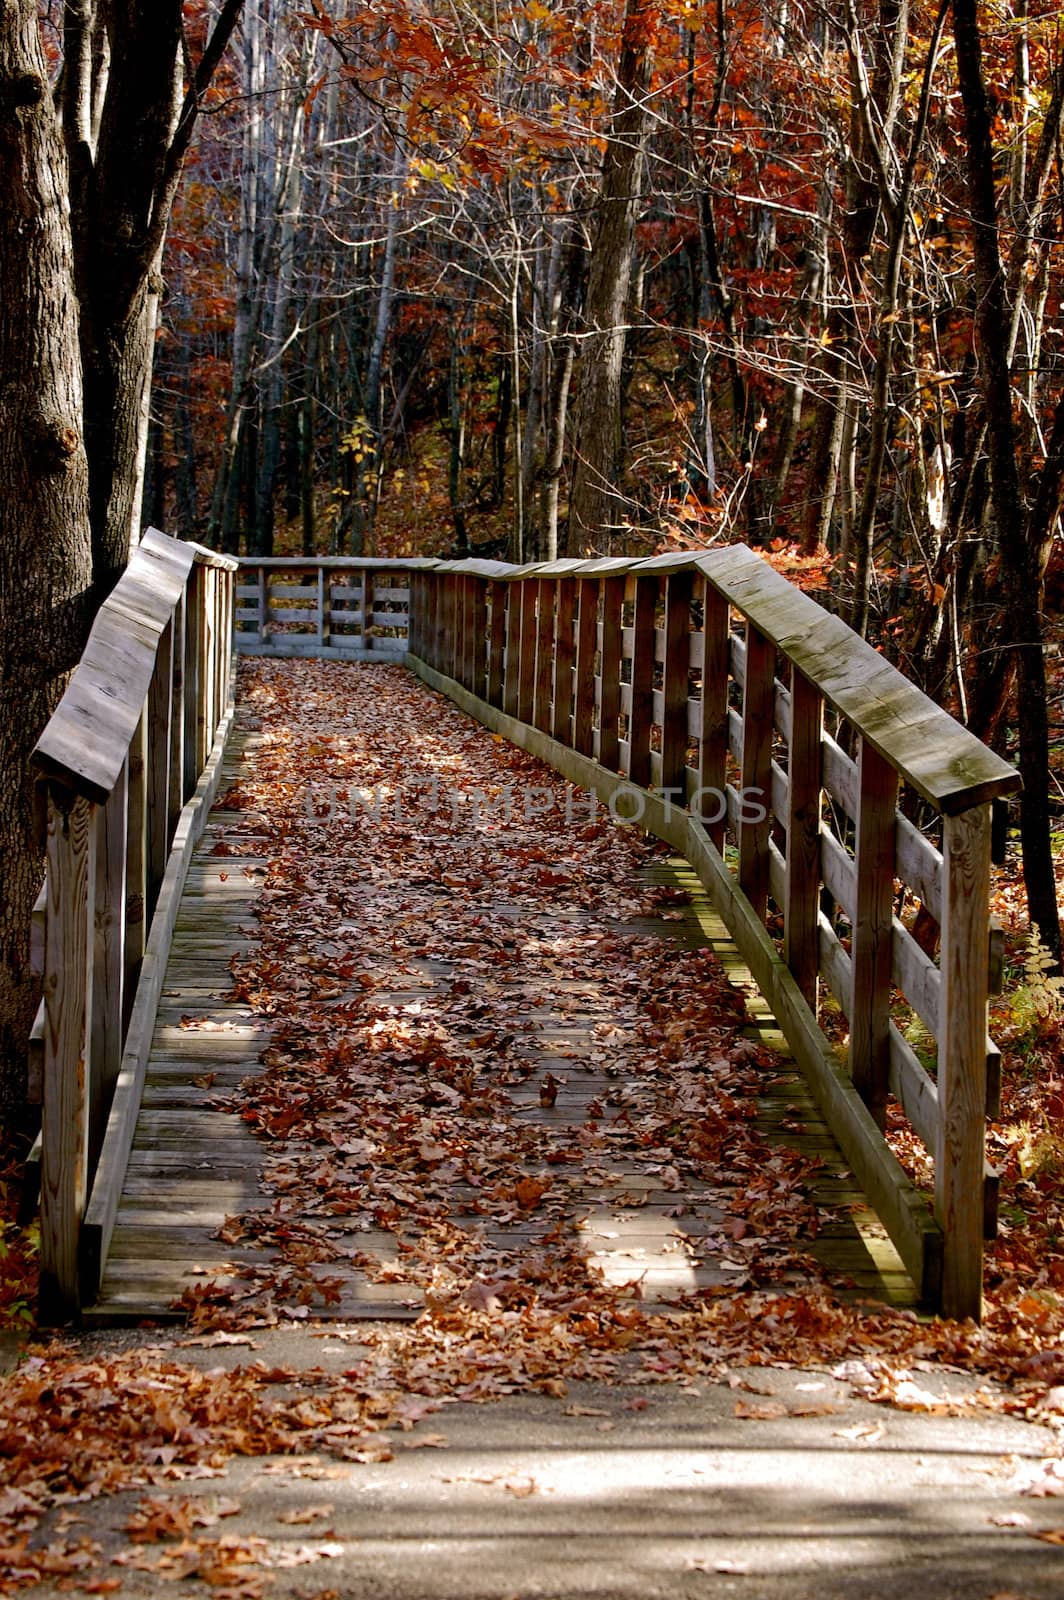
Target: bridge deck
<point>411,981</point>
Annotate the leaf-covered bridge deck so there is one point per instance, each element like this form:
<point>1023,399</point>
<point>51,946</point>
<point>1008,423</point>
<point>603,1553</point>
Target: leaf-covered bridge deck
<point>413,1050</point>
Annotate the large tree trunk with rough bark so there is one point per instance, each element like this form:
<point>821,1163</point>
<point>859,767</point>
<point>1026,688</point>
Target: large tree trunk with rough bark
<point>45,553</point>
<point>86,189</point>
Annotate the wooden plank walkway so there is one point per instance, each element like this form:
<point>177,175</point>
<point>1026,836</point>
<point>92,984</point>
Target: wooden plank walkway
<point>196,1167</point>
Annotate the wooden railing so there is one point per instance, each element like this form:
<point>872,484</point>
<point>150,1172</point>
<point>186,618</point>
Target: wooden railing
<point>336,607</point>
<point>821,798</point>
<point>127,768</point>
<point>818,794</point>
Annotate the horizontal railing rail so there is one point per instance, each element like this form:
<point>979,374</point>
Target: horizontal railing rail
<point>127,768</point>
<point>330,607</point>
<point>786,758</point>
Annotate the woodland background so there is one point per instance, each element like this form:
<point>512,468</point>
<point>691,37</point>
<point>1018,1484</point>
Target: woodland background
<point>436,276</point>
<point>535,279</point>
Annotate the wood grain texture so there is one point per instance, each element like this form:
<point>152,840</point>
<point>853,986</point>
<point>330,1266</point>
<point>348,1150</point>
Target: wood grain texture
<point>564,654</point>
<point>611,589</point>
<point>872,946</point>
<point>644,596</point>
<point>676,673</point>
<point>801,892</point>
<point>714,731</point>
<point>108,963</point>
<point>960,1156</point>
<point>69,941</point>
<point>759,693</point>
<point>584,681</point>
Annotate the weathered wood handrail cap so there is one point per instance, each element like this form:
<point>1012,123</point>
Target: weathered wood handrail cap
<point>942,761</point>
<point>562,567</point>
<point>671,561</point>
<point>153,539</point>
<point>89,734</point>
<point>356,563</point>
<point>474,567</point>
<point>604,566</point>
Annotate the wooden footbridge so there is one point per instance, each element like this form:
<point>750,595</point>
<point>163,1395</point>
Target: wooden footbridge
<point>818,795</point>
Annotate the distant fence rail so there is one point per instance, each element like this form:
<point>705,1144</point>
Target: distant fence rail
<point>330,607</point>
<point>787,760</point>
<point>127,769</point>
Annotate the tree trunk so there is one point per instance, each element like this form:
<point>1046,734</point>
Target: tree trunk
<point>81,231</point>
<point>45,544</point>
<point>597,507</point>
<point>1020,651</point>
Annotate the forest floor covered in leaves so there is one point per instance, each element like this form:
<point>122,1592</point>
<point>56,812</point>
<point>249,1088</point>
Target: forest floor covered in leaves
<point>423,953</point>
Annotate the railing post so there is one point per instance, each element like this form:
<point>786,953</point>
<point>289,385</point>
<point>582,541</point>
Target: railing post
<point>68,970</point>
<point>962,1058</point>
<point>367,609</point>
<point>478,676</point>
<point>193,678</point>
<point>758,707</point>
<point>676,686</point>
<point>713,743</point>
<point>873,930</point>
<point>545,626</point>
<point>136,917</point>
<point>433,619</point>
<point>496,643</point>
<point>512,674</point>
<point>461,630</point>
<point>177,720</point>
<point>802,892</point>
<point>586,650</point>
<point>644,608</point>
<point>526,678</point>
<point>108,959</point>
<point>158,763</point>
<point>469,631</point>
<point>263,603</point>
<point>562,710</point>
<point>324,603</point>
<point>609,678</point>
<point>453,627</point>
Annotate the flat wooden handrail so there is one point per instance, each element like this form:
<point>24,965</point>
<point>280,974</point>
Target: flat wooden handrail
<point>698,684</point>
<point>126,768</point>
<point>929,749</point>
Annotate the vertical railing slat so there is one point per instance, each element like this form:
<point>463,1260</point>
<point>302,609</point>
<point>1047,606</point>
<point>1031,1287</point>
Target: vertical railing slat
<point>959,1158</point>
<point>136,928</point>
<point>526,675</point>
<point>676,686</point>
<point>870,954</point>
<point>497,644</point>
<point>478,682</point>
<point>108,960</point>
<point>545,639</point>
<point>713,758</point>
<point>756,779</point>
<point>802,891</point>
<point>158,764</point>
<point>644,592</point>
<point>562,698</point>
<point>586,651</point>
<point>68,962</point>
<point>609,684</point>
